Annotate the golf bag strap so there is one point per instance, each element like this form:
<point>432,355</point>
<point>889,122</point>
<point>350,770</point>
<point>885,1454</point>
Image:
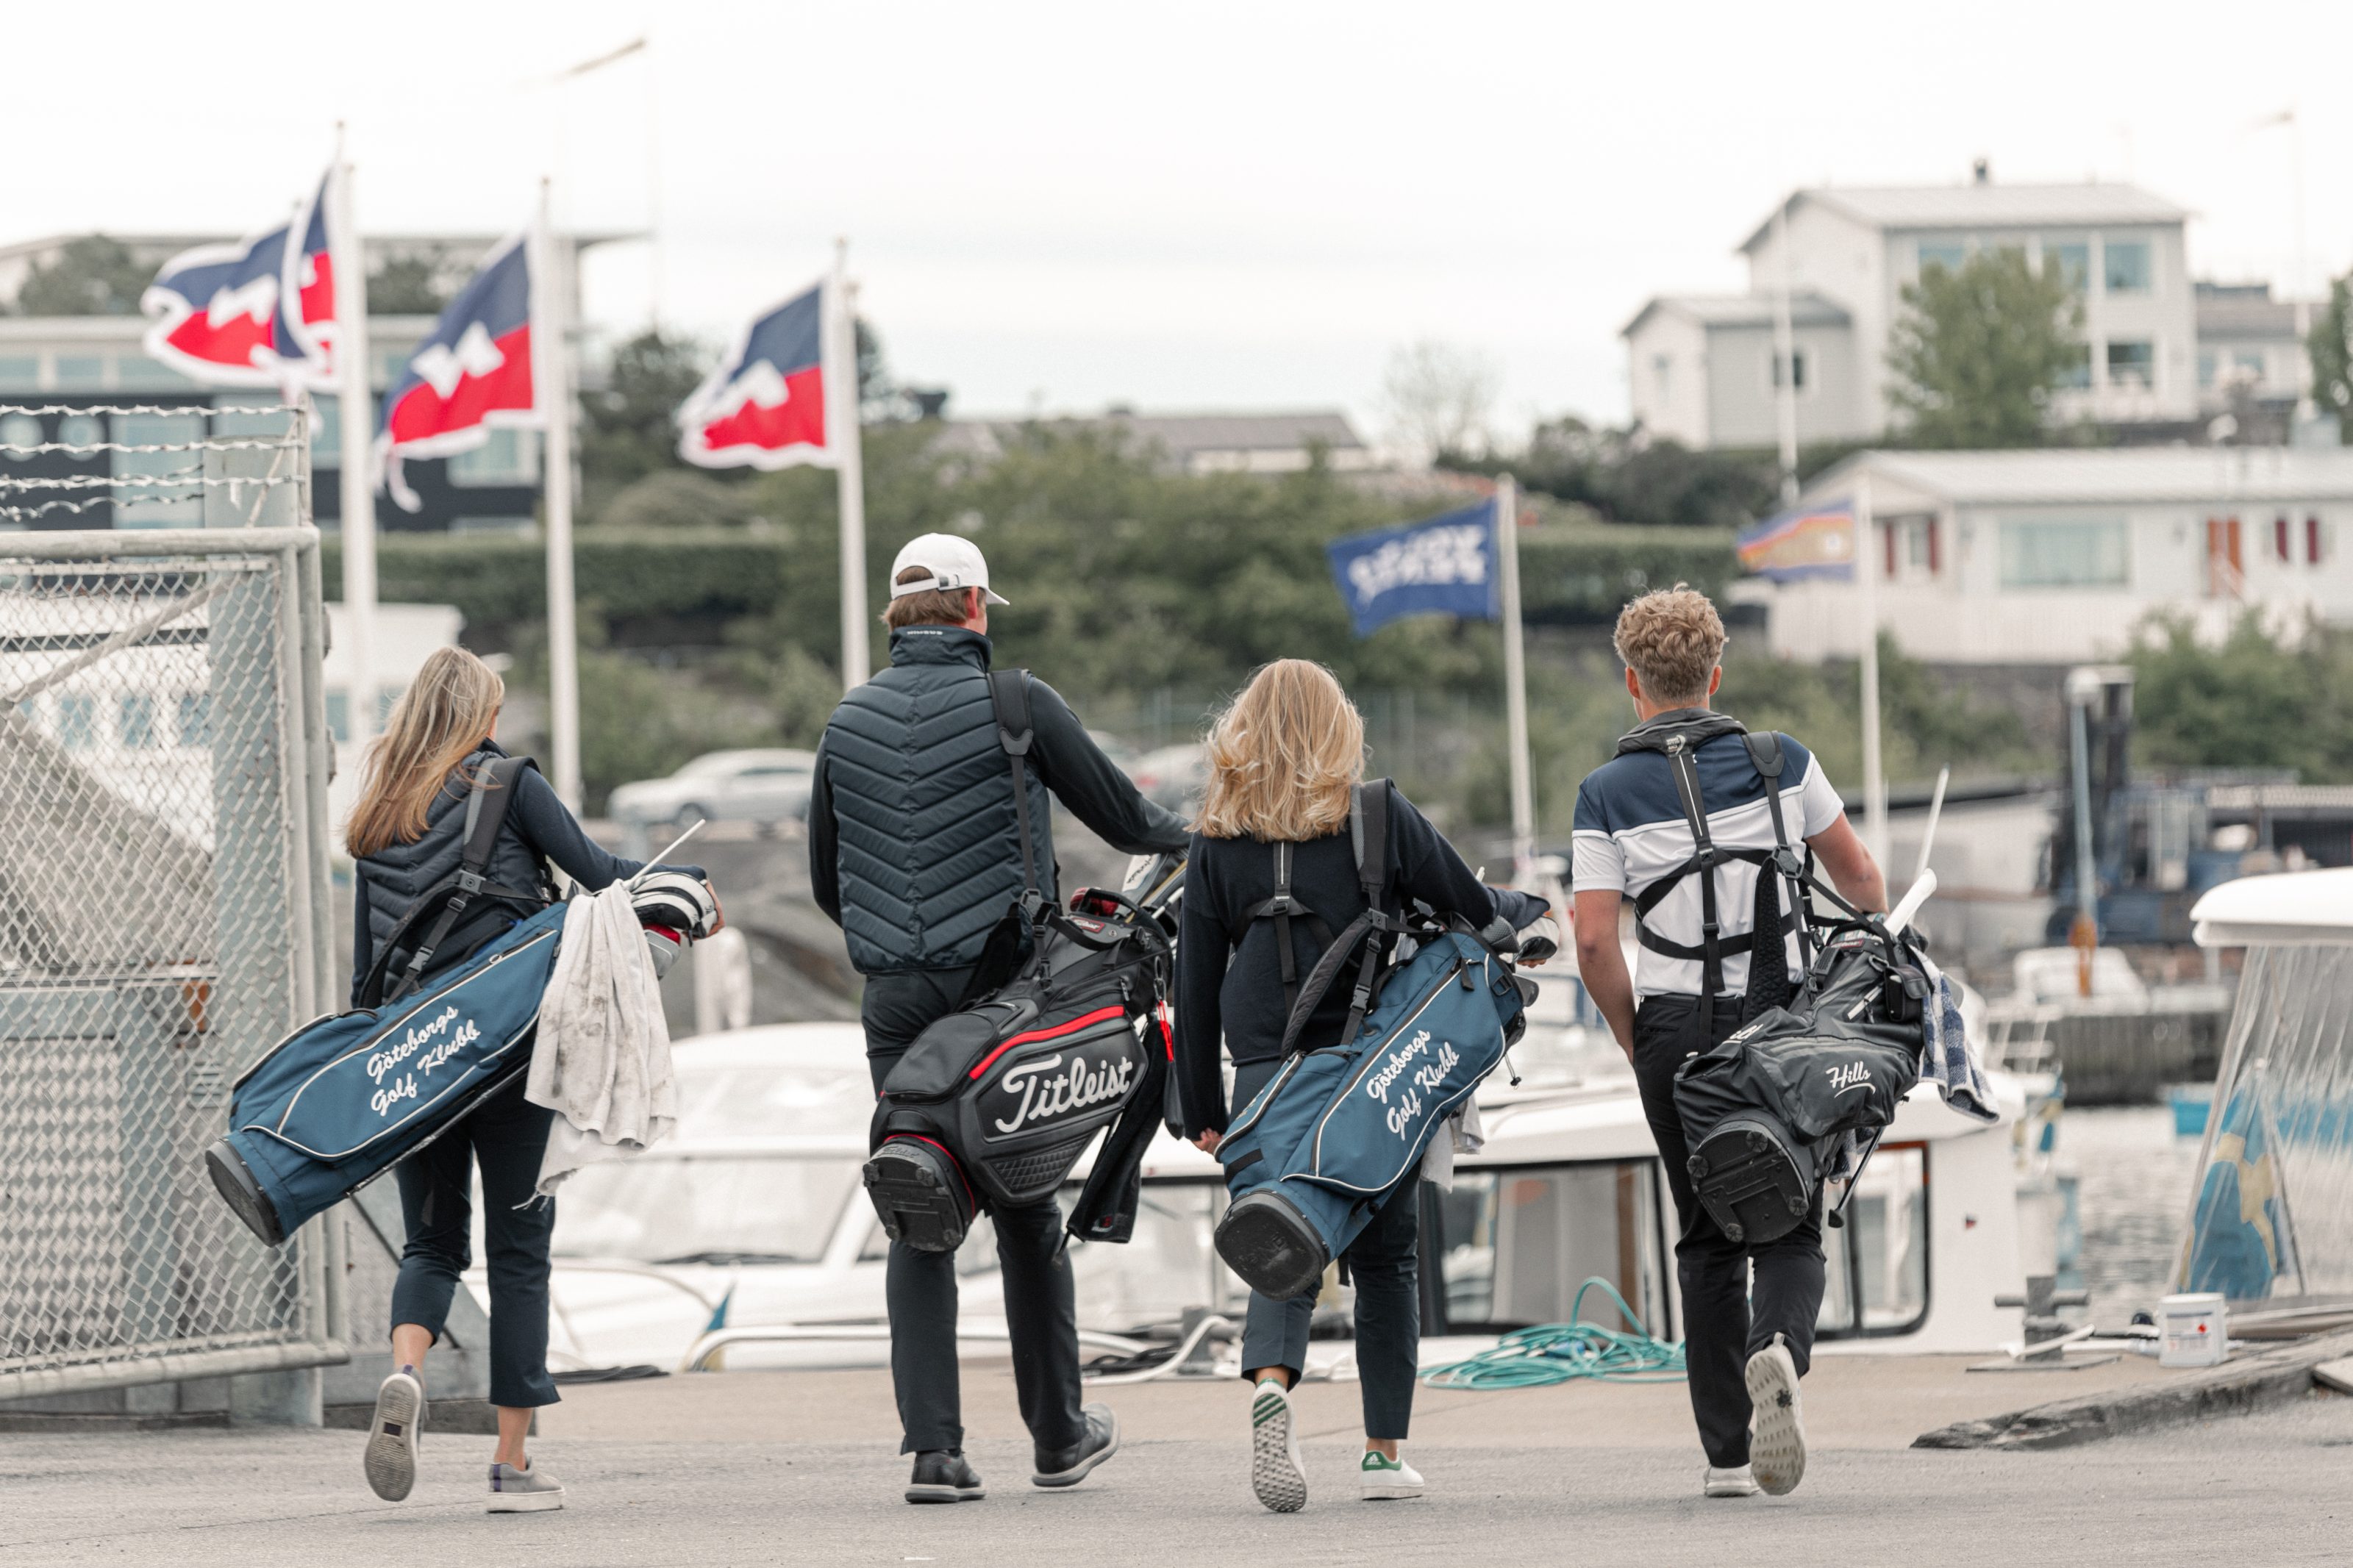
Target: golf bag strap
<point>1281,909</point>
<point>1766,755</point>
<point>1702,863</point>
<point>1009,694</point>
<point>1368,820</point>
<point>494,785</point>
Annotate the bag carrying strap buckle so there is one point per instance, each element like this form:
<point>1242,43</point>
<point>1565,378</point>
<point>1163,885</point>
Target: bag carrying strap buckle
<point>1009,695</point>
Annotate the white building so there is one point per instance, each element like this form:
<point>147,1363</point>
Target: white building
<point>2248,340</point>
<point>406,636</point>
<point>1701,368</point>
<point>2056,556</point>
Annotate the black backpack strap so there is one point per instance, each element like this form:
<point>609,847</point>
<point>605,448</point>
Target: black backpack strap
<point>1702,863</point>
<point>1368,832</point>
<point>1766,755</point>
<point>489,794</point>
<point>1282,910</point>
<point>1009,694</point>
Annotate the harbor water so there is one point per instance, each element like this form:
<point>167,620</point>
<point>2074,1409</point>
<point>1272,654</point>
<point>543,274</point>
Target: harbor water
<point>2133,1175</point>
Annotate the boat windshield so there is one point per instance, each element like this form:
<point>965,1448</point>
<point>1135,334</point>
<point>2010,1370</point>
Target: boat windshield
<point>680,1209</point>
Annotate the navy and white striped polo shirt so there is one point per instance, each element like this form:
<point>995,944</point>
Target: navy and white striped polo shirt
<point>1631,831</point>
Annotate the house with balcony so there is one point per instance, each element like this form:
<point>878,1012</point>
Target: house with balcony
<point>1702,369</point>
<point>2056,556</point>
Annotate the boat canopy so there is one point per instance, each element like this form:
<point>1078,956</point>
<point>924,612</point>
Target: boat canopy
<point>2292,909</point>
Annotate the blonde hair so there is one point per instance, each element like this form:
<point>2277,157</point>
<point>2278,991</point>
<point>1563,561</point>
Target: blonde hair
<point>932,607</point>
<point>1282,756</point>
<point>440,721</point>
<point>1673,639</point>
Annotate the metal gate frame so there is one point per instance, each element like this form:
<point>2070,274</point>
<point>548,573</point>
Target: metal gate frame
<point>305,759</point>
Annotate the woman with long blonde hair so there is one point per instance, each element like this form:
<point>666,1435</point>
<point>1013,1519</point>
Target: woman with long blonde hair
<point>407,840</point>
<point>1285,759</point>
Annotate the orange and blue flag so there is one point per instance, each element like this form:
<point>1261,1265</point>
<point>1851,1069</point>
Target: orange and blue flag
<point>1806,542</point>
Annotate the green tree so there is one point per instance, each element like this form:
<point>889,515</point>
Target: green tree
<point>408,286</point>
<point>2258,701</point>
<point>2331,348</point>
<point>92,275</point>
<point>630,425</point>
<point>1978,352</point>
<point>1628,478</point>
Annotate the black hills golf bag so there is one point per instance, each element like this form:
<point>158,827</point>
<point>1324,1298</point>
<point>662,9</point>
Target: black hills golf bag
<point>1065,1034</point>
<point>1766,1110</point>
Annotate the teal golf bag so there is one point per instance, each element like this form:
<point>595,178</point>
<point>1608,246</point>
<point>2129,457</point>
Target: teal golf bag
<point>1336,1131</point>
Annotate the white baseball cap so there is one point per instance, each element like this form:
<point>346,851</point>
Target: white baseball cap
<point>954,563</point>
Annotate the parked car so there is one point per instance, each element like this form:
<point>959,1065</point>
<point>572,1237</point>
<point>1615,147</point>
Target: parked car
<point>765,787</point>
<point>1174,776</point>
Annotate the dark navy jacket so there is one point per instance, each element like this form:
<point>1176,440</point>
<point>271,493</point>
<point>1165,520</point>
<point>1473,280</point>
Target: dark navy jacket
<point>914,848</point>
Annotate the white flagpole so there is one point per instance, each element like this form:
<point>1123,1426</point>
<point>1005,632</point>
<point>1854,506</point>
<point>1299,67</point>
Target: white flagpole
<point>349,264</point>
<point>1866,569</point>
<point>1515,683</point>
<point>1785,346</point>
<point>849,469</point>
<point>551,276</point>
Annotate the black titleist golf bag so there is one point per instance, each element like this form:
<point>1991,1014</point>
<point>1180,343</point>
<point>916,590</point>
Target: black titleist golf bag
<point>1064,1033</point>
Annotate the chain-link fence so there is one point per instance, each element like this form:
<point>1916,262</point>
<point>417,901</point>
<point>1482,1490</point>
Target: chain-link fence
<point>163,898</point>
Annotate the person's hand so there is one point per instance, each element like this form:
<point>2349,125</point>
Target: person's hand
<point>718,913</point>
<point>1548,928</point>
<point>1207,1141</point>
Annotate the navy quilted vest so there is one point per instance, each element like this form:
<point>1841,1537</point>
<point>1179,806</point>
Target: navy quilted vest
<point>930,854</point>
<point>400,874</point>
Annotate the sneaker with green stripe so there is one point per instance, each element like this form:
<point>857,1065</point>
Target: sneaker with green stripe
<point>1385,1480</point>
<point>1278,1475</point>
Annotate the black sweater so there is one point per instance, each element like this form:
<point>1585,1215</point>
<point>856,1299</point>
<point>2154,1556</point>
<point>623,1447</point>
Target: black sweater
<point>1230,971</point>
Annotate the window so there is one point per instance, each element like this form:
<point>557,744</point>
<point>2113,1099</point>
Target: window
<point>389,363</point>
<point>2205,367</point>
<point>2249,363</point>
<point>2316,541</point>
<point>339,714</point>
<point>507,457</point>
<point>138,713</point>
<point>80,430</point>
<point>2077,372</point>
<point>137,372</point>
<point>1948,254</point>
<point>196,719</point>
<point>1797,367</point>
<point>386,698</point>
<point>2132,362</point>
<point>1663,372</point>
<point>21,431</point>
<point>77,721</point>
<point>80,373</point>
<point>1877,1278</point>
<point>2064,553</point>
<point>2125,266</point>
<point>148,504</point>
<point>2073,259</point>
<point>19,373</point>
<point>2281,545</point>
<point>327,433</point>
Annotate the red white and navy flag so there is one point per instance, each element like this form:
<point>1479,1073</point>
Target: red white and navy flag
<point>260,312</point>
<point>765,406</point>
<point>472,373</point>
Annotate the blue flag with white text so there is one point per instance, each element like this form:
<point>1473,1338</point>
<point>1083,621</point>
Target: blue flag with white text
<point>1444,566</point>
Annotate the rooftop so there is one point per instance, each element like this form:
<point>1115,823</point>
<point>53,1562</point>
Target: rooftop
<point>1984,205</point>
<point>1806,310</point>
<point>2247,310</point>
<point>2194,475</point>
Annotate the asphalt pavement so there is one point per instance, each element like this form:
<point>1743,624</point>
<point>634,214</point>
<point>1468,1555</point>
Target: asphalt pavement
<point>2269,1489</point>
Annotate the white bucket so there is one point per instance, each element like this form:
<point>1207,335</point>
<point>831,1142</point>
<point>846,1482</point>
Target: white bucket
<point>2194,1330</point>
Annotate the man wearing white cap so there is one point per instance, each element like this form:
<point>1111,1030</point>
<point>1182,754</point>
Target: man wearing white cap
<point>915,852</point>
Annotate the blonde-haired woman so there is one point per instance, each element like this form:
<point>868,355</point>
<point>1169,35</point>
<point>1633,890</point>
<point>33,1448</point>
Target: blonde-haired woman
<point>1283,759</point>
<point>406,838</point>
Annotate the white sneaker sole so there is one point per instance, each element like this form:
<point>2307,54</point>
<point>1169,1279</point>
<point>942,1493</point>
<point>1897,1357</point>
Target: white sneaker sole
<point>390,1460</point>
<point>524,1503</point>
<point>1276,1474</point>
<point>1776,1447</point>
<point>1391,1493</point>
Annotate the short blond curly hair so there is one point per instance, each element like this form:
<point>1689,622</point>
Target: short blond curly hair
<point>1671,638</point>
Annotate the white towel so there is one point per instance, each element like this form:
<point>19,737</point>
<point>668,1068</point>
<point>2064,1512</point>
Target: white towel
<point>602,1059</point>
<point>1463,1135</point>
<point>1951,1061</point>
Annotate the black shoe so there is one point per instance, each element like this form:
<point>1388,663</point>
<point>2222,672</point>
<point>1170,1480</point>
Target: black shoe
<point>942,1475</point>
<point>1068,1466</point>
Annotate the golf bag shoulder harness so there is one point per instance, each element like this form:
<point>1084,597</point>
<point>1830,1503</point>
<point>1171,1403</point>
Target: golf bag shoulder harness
<point>1769,984</point>
<point>340,1100</point>
<point>995,1101</point>
<point>1338,1127</point>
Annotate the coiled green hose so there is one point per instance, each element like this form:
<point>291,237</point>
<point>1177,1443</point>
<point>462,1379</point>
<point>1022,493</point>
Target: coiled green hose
<point>1562,1353</point>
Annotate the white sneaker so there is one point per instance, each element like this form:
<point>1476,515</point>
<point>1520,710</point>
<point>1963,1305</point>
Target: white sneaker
<point>1384,1479</point>
<point>1734,1482</point>
<point>390,1459</point>
<point>1278,1475</point>
<point>528,1490</point>
<point>1776,1442</point>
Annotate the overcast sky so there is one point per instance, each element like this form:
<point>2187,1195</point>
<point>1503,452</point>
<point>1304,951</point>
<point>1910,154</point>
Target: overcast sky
<point>1204,205</point>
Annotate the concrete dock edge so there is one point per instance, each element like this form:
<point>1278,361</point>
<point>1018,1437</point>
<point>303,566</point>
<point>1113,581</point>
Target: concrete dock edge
<point>2238,1387</point>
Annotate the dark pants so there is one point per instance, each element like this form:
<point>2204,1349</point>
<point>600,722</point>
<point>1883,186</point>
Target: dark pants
<point>1385,1264</point>
<point>1041,1308</point>
<point>1725,1318</point>
<point>507,1135</point>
